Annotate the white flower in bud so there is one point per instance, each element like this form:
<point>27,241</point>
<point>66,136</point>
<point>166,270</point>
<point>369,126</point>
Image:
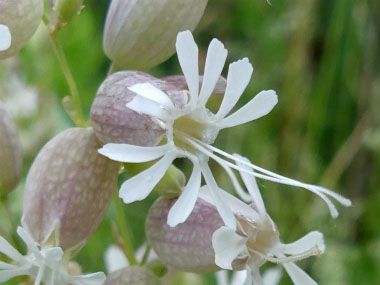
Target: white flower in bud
<point>46,264</point>
<point>22,18</point>
<point>257,239</point>
<point>192,129</point>
<point>133,275</point>
<point>114,123</point>
<point>5,38</point>
<point>10,153</point>
<point>187,246</point>
<point>68,190</point>
<point>140,34</point>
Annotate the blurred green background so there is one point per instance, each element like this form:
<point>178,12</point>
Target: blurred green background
<point>321,56</point>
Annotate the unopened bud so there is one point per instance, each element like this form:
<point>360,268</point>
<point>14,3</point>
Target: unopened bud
<point>68,190</point>
<point>22,17</point>
<point>141,34</point>
<point>133,275</point>
<point>67,9</point>
<point>10,153</point>
<point>114,122</point>
<point>188,246</point>
<point>172,184</point>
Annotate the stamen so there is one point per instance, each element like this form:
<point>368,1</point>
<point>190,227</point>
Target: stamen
<point>344,201</point>
<point>334,213</point>
<point>313,251</point>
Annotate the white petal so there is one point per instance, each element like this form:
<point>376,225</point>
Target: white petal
<point>228,245</point>
<point>132,153</point>
<point>148,107</point>
<point>4,266</point>
<point>251,184</point>
<point>222,277</point>
<point>239,75</point>
<point>236,205</point>
<point>253,276</point>
<point>187,52</point>
<point>183,207</point>
<point>7,249</point>
<point>272,276</point>
<point>139,187</point>
<point>5,38</point>
<point>151,92</point>
<point>29,241</point>
<point>223,208</point>
<point>298,276</point>
<point>114,259</point>
<point>215,60</point>
<point>258,107</point>
<point>238,277</point>
<point>53,254</point>
<point>89,279</point>
<point>5,275</point>
<point>305,243</point>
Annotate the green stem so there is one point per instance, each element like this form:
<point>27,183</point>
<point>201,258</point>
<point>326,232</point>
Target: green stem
<point>146,255</point>
<point>128,248</point>
<point>79,120</point>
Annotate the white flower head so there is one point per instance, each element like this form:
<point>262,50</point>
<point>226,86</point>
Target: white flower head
<point>192,128</point>
<point>5,38</point>
<point>257,241</point>
<point>45,264</point>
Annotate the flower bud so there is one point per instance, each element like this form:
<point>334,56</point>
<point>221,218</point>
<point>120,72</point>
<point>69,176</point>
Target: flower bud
<point>141,34</point>
<point>10,153</point>
<point>68,190</point>
<point>67,9</point>
<point>134,275</point>
<point>22,17</point>
<point>113,122</point>
<point>188,246</point>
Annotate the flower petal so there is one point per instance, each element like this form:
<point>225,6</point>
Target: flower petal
<point>114,259</point>
<point>151,92</point>
<point>97,278</point>
<point>215,60</point>
<point>139,187</point>
<point>29,241</point>
<point>132,153</point>
<point>183,207</point>
<point>5,275</point>
<point>5,38</point>
<point>272,276</point>
<point>298,276</point>
<point>53,254</point>
<point>187,52</point>
<point>7,249</point>
<point>258,107</point>
<point>305,243</point>
<point>251,184</point>
<point>254,276</point>
<point>238,277</point>
<point>148,107</point>
<point>223,208</point>
<point>228,245</point>
<point>239,75</point>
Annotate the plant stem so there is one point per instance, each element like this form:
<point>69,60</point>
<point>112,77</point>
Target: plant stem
<point>79,119</point>
<point>146,255</point>
<point>125,234</point>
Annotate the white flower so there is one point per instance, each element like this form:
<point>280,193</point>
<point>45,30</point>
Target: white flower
<point>271,276</point>
<point>191,129</point>
<point>5,38</point>
<point>257,240</point>
<point>46,264</point>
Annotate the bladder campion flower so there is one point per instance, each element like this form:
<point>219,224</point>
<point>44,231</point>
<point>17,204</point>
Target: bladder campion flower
<point>192,129</point>
<point>257,240</point>
<point>47,264</point>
